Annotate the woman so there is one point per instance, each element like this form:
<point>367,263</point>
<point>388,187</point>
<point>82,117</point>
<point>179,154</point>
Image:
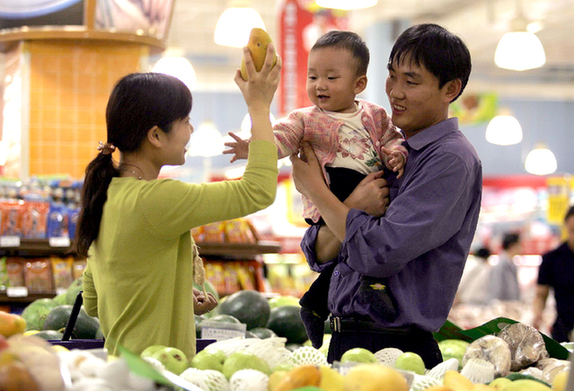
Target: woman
<point>135,228</point>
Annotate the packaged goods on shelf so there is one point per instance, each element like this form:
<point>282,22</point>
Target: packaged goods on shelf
<point>38,276</point>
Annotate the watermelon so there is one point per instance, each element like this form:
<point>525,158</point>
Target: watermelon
<point>225,319</point>
<point>262,332</point>
<point>286,322</point>
<point>36,312</point>
<point>249,306</point>
<point>73,290</point>
<point>86,327</point>
<point>51,335</point>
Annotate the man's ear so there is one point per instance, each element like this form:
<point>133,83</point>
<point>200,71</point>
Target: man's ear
<point>360,84</point>
<point>452,89</point>
<point>155,136</point>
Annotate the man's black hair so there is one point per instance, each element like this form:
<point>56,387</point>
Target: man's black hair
<point>444,54</point>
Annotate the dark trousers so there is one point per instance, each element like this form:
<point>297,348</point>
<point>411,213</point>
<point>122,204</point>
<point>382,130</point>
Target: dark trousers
<point>416,341</point>
<point>561,329</point>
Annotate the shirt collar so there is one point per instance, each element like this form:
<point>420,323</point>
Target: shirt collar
<point>432,133</point>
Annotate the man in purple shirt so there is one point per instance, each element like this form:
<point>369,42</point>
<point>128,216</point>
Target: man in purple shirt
<point>421,242</point>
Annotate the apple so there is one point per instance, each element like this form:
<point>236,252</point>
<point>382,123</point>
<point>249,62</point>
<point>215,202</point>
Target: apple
<point>243,360</point>
<point>150,350</point>
<point>360,355</point>
<point>173,359</point>
<point>409,361</point>
<point>209,359</point>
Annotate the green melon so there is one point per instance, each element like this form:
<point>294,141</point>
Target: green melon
<point>73,290</point>
<point>36,312</point>
<point>86,327</point>
<point>51,335</point>
<point>249,306</point>
<point>286,322</point>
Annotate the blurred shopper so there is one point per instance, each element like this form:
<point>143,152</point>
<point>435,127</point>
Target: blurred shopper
<point>134,228</point>
<point>557,271</point>
<point>503,277</point>
<point>473,285</point>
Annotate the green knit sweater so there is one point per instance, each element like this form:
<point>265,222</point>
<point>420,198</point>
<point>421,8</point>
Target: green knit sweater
<point>139,277</point>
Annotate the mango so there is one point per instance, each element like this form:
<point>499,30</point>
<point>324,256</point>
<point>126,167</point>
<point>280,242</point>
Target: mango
<point>456,381</point>
<point>374,377</point>
<point>257,45</point>
<point>560,381</point>
<point>331,379</point>
<point>301,376</point>
<point>11,324</point>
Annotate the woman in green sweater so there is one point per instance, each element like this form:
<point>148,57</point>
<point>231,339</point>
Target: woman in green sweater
<point>134,228</point>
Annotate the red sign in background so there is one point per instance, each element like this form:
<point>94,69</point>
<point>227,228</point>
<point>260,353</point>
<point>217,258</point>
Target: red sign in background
<point>301,22</point>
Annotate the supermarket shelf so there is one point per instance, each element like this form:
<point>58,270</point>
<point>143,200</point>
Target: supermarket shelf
<point>5,299</point>
<point>35,247</point>
<point>238,249</point>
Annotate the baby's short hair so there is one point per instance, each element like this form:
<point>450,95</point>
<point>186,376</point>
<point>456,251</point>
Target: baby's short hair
<point>350,41</point>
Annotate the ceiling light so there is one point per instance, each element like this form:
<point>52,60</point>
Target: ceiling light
<point>173,63</point>
<point>504,130</point>
<point>540,161</point>
<point>206,141</point>
<point>234,26</point>
<point>519,49</point>
<point>346,4</point>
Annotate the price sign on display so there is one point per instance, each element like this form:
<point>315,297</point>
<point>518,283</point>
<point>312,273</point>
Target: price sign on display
<point>62,241</point>
<point>221,331</point>
<point>9,241</point>
<point>16,291</point>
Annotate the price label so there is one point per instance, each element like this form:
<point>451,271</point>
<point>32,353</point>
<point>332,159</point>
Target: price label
<point>63,241</point>
<point>17,291</point>
<point>9,241</point>
<point>221,331</point>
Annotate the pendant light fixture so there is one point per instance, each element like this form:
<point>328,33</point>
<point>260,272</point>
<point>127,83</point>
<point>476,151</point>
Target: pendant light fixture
<point>174,63</point>
<point>519,49</point>
<point>206,140</point>
<point>346,4</point>
<point>540,161</point>
<point>504,129</point>
<point>235,24</point>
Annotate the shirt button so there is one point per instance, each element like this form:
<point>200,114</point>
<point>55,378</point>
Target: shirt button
<point>336,272</point>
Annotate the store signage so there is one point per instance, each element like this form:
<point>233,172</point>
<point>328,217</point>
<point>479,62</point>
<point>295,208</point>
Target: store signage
<point>221,331</point>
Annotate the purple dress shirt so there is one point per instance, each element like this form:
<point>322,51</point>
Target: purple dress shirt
<point>421,244</point>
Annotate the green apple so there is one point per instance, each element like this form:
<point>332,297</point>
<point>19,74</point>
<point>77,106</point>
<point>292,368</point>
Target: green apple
<point>409,361</point>
<point>243,360</point>
<point>209,359</point>
<point>150,350</point>
<point>360,355</point>
<point>173,359</point>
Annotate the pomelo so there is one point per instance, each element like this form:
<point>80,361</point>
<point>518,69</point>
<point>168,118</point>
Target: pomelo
<point>36,312</point>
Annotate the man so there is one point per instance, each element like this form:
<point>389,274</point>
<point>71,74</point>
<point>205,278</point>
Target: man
<point>557,271</point>
<point>503,277</point>
<point>421,243</point>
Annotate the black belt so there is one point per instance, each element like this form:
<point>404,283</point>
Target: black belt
<point>339,324</point>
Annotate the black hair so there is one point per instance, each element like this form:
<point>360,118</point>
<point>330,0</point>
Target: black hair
<point>442,53</point>
<point>350,41</point>
<point>138,102</point>
<point>510,239</point>
<point>570,213</point>
<point>482,252</point>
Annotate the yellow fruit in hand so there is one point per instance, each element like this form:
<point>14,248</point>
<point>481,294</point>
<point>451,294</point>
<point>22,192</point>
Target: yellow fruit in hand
<point>257,45</point>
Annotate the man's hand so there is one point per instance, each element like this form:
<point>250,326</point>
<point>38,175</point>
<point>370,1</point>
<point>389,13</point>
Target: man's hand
<point>396,161</point>
<point>239,147</point>
<point>371,195</point>
<point>307,175</point>
<point>202,304</point>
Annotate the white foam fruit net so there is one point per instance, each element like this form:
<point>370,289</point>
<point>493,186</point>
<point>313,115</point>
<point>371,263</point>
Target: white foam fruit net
<point>423,382</point>
<point>307,355</point>
<point>478,370</point>
<point>439,370</point>
<point>388,356</point>
<point>206,379</point>
<point>248,380</point>
<point>272,350</point>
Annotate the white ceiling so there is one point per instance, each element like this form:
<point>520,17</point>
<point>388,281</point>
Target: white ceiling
<point>480,23</point>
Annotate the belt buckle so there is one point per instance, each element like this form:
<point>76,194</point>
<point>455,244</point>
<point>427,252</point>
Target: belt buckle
<point>335,323</point>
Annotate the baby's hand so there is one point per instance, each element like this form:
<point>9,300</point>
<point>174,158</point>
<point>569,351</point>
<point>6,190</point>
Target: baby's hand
<point>240,148</point>
<point>395,161</point>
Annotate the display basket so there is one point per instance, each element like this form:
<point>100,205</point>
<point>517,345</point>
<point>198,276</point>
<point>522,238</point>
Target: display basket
<point>86,344</point>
